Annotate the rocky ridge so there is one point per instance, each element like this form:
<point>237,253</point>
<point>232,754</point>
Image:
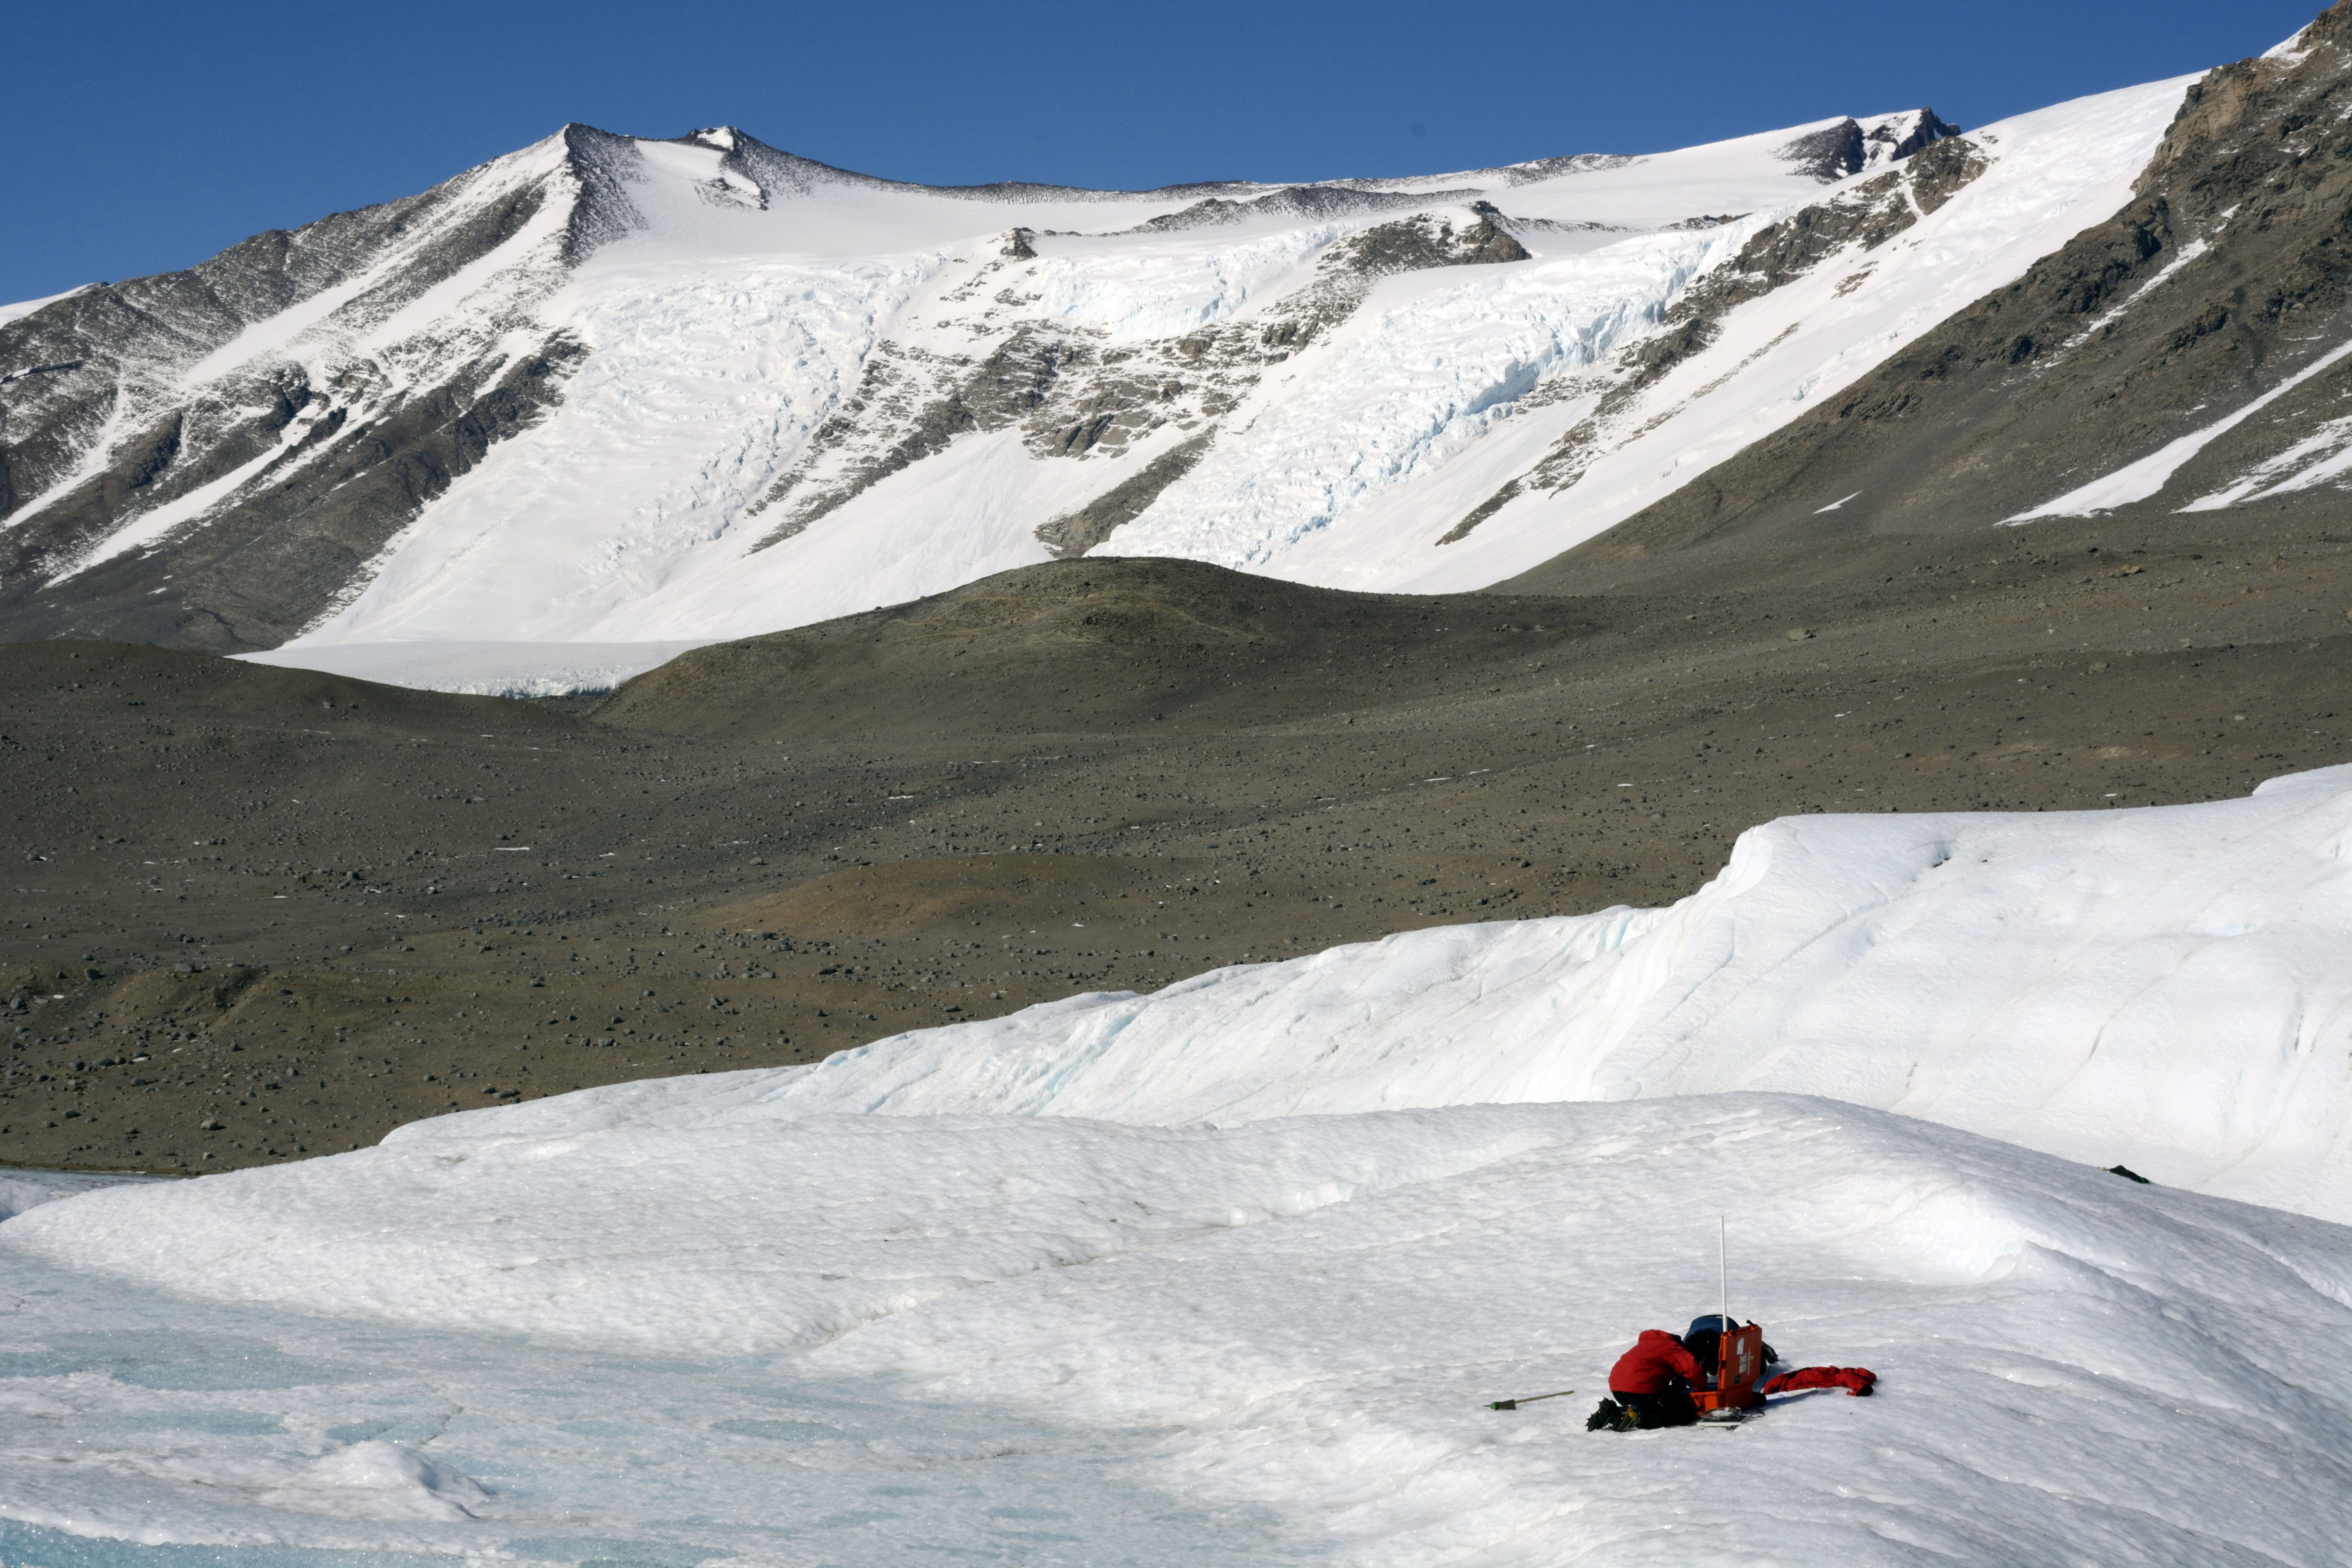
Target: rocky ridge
<point>1071,389</point>
<point>2145,346</point>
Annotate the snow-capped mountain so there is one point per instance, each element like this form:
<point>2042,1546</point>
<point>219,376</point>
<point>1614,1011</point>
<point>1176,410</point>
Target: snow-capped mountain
<point>615,389</point>
<point>608,397</point>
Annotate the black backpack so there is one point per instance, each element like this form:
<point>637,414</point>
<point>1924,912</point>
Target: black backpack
<point>1703,1339</point>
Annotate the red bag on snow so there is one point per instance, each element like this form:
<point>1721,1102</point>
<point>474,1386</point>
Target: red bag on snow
<point>1852,1379</point>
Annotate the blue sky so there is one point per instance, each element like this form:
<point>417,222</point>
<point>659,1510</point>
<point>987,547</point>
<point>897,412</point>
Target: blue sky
<point>141,137</point>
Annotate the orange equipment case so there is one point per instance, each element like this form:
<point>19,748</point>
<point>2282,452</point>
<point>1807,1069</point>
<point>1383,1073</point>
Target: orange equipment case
<point>1738,1367</point>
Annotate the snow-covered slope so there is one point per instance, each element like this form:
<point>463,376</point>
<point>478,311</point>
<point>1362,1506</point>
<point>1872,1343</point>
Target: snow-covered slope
<point>853,1339</point>
<point>617,391</point>
<point>1091,1291</point>
<point>909,420</point>
<point>2164,987</point>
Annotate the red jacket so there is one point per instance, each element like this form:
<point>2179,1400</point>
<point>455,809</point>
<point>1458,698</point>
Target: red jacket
<point>1656,1358</point>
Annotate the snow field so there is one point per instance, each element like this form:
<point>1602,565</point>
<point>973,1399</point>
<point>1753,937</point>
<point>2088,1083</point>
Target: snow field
<point>1230,1272</point>
<point>635,1234</point>
<point>2056,1346</point>
<point>1140,287</point>
<point>1305,1316</point>
<point>485,668</point>
<point>700,385</point>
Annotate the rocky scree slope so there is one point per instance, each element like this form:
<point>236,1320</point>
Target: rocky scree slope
<point>2174,370</point>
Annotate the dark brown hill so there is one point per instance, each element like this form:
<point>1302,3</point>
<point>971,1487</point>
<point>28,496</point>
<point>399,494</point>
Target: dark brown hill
<point>303,910</point>
<point>1085,647</point>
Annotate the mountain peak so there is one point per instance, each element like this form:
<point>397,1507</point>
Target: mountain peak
<point>421,400</point>
<point>1849,146</point>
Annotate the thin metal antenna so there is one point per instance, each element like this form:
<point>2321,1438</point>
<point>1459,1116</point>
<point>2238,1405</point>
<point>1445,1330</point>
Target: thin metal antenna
<point>1722,1273</point>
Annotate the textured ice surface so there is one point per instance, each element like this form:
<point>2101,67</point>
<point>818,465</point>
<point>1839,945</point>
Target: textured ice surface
<point>1025,1338</point>
<point>21,1189</point>
<point>144,1430</point>
<point>1095,1292</point>
<point>2165,987</point>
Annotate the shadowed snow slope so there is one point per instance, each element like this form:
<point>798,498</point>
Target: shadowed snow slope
<point>1307,1312</point>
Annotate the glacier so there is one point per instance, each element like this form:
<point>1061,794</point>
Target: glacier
<point>1341,465</point>
<point>1230,1272</point>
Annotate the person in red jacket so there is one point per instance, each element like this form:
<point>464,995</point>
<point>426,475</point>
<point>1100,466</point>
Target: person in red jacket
<point>1651,1384</point>
<point>1653,1380</point>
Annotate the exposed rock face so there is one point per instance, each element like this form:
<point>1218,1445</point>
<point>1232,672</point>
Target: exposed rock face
<point>1837,151</point>
<point>1308,202</point>
<point>2221,291</point>
<point>1885,144</point>
<point>1070,390</point>
<point>1426,241</point>
<point>253,581</point>
<point>1829,154</point>
<point>1938,176</point>
<point>1854,221</point>
<point>136,398</point>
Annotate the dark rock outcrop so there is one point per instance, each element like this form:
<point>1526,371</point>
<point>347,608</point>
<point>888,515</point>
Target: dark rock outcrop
<point>1837,151</point>
<point>327,447</point>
